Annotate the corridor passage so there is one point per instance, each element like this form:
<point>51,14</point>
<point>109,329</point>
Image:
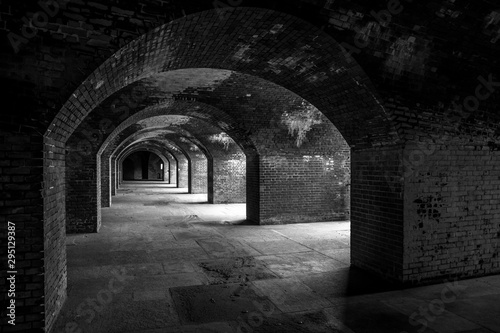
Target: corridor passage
<point>166,261</point>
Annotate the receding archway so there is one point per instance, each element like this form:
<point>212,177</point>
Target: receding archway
<point>338,88</point>
<point>143,165</point>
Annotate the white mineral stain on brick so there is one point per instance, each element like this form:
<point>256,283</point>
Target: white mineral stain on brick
<point>179,80</point>
<point>240,54</point>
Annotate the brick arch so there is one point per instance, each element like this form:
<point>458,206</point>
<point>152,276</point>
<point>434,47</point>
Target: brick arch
<point>315,68</point>
<point>193,109</point>
<point>149,133</point>
<point>183,178</point>
<point>162,157</point>
<point>147,140</point>
<point>147,149</point>
<point>311,64</point>
<point>157,147</point>
<point>155,131</point>
<point>197,157</point>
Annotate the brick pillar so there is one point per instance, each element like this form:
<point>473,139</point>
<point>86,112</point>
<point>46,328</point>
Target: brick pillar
<point>182,171</point>
<point>303,188</point>
<point>38,233</point>
<point>105,177</point>
<point>113,176</point>
<point>173,171</point>
<point>54,247</point>
<point>227,179</point>
<point>199,176</point>
<point>452,212</point>
<point>83,192</point>
<point>377,236</point>
<point>253,188</point>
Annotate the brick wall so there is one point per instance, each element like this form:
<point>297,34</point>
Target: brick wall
<point>452,212</point>
<point>377,211</point>
<point>114,175</point>
<point>154,169</point>
<point>253,189</point>
<point>83,190</point>
<point>183,166</point>
<point>227,181</point>
<point>45,76</point>
<point>198,174</point>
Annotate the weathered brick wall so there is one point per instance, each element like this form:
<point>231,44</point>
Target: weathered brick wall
<point>106,181</point>
<point>183,171</point>
<point>302,189</point>
<point>132,167</point>
<point>155,172</point>
<point>198,174</point>
<point>377,211</point>
<point>114,175</point>
<point>171,173</point>
<point>416,55</point>
<point>452,211</point>
<point>253,189</point>
<point>83,189</point>
<point>37,232</point>
<point>227,181</point>
<point>171,157</point>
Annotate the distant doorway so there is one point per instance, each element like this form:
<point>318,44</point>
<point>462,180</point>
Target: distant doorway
<point>143,165</point>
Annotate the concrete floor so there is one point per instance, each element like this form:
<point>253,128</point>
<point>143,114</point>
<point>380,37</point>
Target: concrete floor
<point>166,261</point>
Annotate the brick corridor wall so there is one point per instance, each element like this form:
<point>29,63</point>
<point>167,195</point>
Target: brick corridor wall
<point>54,62</point>
<point>154,167</point>
<point>105,181</point>
<point>183,171</point>
<point>108,176</point>
<point>172,168</point>
<point>113,176</point>
<point>229,179</point>
<point>452,212</point>
<point>54,249</point>
<point>295,189</point>
<point>253,189</point>
<point>198,174</point>
<point>377,211</point>
<point>22,167</point>
<point>83,190</point>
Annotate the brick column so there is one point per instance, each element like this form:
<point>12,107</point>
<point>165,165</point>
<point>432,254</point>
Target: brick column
<point>113,176</point>
<point>377,211</point>
<point>227,178</point>
<point>452,212</point>
<point>198,174</point>
<point>105,180</point>
<point>295,189</point>
<point>83,192</point>
<point>182,171</point>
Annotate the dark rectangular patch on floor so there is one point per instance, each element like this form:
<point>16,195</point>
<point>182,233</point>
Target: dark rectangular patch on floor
<point>235,270</point>
<point>157,203</point>
<point>216,303</point>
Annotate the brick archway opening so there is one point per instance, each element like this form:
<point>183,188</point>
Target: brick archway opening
<point>337,87</point>
<point>143,165</point>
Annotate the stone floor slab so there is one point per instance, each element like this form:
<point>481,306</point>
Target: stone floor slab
<point>235,270</point>
<point>278,247</point>
<point>215,303</point>
<point>291,295</point>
